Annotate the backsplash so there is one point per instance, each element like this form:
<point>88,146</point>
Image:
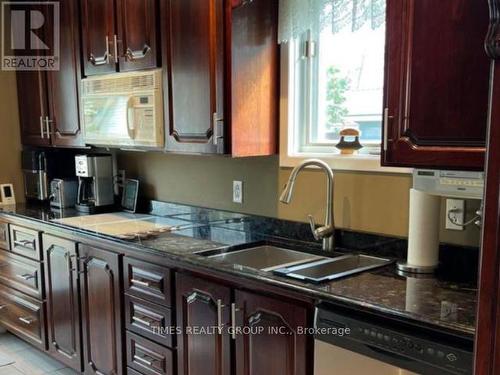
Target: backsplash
<point>366,202</point>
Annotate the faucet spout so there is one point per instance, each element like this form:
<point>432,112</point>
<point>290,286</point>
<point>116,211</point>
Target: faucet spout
<point>326,232</point>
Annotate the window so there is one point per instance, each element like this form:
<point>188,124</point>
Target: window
<point>335,73</point>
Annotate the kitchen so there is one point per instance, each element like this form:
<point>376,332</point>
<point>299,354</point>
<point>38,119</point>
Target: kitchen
<point>280,171</point>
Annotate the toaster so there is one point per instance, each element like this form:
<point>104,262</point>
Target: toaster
<point>63,192</point>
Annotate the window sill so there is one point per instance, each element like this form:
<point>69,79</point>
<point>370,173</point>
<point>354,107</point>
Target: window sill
<point>356,163</point>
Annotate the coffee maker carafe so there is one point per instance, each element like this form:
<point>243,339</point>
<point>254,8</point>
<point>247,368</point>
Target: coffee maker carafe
<point>95,182</point>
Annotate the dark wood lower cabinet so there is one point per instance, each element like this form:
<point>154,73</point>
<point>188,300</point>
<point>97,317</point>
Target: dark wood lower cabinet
<point>101,311</point>
<point>63,302</point>
<point>270,343</point>
<point>202,304</point>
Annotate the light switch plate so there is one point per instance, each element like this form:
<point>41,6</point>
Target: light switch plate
<point>238,192</point>
<point>455,208</point>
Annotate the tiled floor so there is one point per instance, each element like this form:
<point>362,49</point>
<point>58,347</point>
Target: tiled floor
<point>26,359</point>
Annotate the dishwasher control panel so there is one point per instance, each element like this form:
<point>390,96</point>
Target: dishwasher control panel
<point>413,350</point>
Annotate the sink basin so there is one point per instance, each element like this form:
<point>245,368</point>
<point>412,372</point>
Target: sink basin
<point>266,258</point>
<point>333,268</point>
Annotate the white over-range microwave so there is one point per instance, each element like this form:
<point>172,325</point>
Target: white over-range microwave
<point>123,110</point>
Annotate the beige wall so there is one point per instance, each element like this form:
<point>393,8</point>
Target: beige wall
<point>10,143</point>
<point>368,202</point>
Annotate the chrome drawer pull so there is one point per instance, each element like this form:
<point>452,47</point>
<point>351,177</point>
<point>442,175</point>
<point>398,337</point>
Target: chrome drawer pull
<point>143,360</point>
<point>137,55</point>
<point>234,309</point>
<point>142,321</point>
<point>26,320</point>
<point>140,282</point>
<point>25,243</point>
<point>220,306</point>
<point>26,276</point>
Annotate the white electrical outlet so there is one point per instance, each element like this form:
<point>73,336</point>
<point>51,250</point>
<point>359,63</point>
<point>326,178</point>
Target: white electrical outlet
<point>238,192</point>
<point>455,210</point>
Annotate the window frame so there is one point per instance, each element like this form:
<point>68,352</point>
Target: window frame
<point>290,128</point>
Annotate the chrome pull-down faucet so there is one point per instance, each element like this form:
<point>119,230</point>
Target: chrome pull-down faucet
<point>326,232</point>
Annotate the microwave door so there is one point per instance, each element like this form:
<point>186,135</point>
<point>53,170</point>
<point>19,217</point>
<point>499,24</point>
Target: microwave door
<point>106,120</point>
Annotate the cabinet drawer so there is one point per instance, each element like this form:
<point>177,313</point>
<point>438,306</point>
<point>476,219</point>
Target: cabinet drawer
<point>149,320</point>
<point>4,236</point>
<point>147,357</point>
<point>25,242</point>
<point>23,315</point>
<point>22,274</point>
<point>147,281</point>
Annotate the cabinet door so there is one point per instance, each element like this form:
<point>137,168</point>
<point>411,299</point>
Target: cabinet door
<point>137,34</point>
<point>101,311</point>
<point>193,45</point>
<point>436,84</point>
<point>98,31</point>
<point>63,84</point>
<point>272,344</point>
<point>202,304</point>
<point>31,93</point>
<point>63,306</point>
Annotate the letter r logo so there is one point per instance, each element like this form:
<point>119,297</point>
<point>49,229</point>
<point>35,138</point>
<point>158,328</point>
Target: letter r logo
<point>19,28</point>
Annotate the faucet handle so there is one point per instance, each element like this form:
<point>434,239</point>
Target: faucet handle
<point>313,227</point>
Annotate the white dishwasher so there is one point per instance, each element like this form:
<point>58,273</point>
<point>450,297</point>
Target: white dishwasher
<point>352,343</point>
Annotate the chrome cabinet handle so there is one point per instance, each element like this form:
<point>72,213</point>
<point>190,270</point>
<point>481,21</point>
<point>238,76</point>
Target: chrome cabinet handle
<point>115,47</point>
<point>137,55</point>
<point>220,306</point>
<point>143,360</point>
<point>47,126</point>
<point>234,309</point>
<point>217,124</point>
<point>25,243</point>
<point>26,276</point>
<point>140,282</point>
<point>98,61</point>
<point>26,320</point>
<point>386,127</point>
<point>42,131</point>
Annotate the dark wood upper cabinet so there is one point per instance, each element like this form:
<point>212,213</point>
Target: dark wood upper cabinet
<point>203,304</point>
<point>33,107</point>
<point>63,85</point>
<point>137,34</point>
<point>119,35</point>
<point>273,345</point>
<point>98,36</point>
<point>221,81</point>
<point>63,302</point>
<point>436,84</point>
<point>101,311</point>
<point>196,69</point>
<point>49,100</point>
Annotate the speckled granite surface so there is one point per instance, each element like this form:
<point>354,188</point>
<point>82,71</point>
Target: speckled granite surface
<point>437,302</point>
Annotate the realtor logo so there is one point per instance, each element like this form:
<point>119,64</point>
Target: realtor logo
<point>30,35</point>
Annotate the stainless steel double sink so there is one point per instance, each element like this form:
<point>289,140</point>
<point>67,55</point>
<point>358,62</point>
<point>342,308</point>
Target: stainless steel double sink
<point>299,265</point>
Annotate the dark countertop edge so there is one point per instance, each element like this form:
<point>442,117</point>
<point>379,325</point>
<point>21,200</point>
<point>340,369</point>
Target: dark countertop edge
<point>197,263</point>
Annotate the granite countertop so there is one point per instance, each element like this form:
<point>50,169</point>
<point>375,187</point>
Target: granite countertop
<point>437,301</point>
